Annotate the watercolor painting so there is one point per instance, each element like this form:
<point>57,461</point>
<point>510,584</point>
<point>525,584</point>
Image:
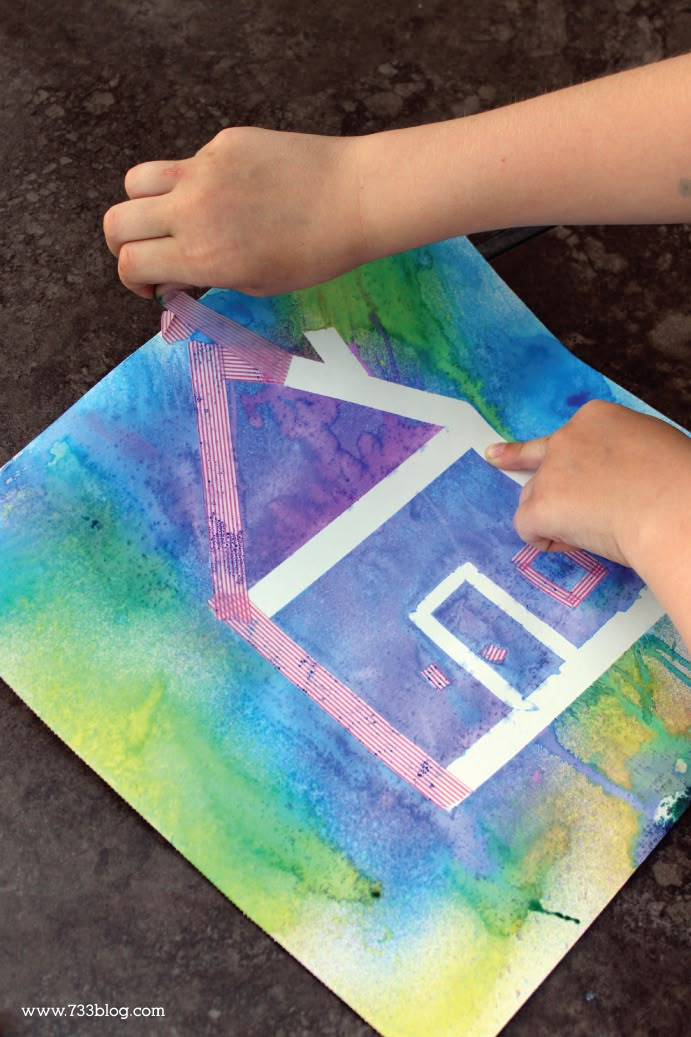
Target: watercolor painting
<point>262,580</point>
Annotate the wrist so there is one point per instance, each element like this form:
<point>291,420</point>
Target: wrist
<point>408,194</point>
<point>657,540</point>
<point>440,180</point>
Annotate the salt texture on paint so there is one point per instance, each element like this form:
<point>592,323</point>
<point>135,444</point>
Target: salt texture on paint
<point>376,540</point>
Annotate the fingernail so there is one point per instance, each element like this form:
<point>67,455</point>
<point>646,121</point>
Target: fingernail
<point>493,452</point>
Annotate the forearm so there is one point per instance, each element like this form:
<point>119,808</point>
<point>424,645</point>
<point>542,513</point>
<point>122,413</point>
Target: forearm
<point>615,150</point>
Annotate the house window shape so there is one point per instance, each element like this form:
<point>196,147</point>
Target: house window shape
<point>594,573</point>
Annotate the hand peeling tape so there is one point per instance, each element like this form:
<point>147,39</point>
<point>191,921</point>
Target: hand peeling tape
<point>246,355</point>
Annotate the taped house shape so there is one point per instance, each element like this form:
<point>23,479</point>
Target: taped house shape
<point>453,644</point>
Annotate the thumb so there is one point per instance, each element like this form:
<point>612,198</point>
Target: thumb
<point>518,456</point>
<point>162,291</point>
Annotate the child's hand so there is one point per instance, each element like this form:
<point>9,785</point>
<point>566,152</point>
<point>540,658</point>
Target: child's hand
<point>611,481</point>
<point>257,210</point>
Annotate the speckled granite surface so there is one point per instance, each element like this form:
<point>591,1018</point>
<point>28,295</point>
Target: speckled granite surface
<point>94,906</point>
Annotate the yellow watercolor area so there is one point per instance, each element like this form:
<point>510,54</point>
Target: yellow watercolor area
<point>637,707</point>
<point>112,695</point>
<point>672,700</point>
<point>480,949</point>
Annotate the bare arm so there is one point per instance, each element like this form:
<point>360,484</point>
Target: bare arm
<point>268,212</point>
<point>615,150</point>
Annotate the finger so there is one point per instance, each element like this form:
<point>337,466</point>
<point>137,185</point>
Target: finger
<point>162,291</point>
<point>526,522</point>
<point>559,546</point>
<point>152,178</point>
<point>518,456</point>
<point>135,221</point>
<point>143,264</point>
<point>524,525</point>
<point>526,491</point>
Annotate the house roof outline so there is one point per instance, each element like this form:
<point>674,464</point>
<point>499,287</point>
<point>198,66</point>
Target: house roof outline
<point>236,353</point>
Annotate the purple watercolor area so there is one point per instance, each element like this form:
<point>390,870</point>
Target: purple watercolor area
<point>355,619</point>
<point>303,459</point>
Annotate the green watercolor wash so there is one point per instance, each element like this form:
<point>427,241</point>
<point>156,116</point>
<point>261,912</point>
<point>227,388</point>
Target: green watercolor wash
<point>681,803</point>
<point>96,542</point>
<point>222,807</point>
<point>405,296</point>
<point>676,663</point>
<point>257,844</point>
<point>523,862</point>
<point>615,726</point>
<point>141,719</point>
<point>117,693</point>
<point>535,905</point>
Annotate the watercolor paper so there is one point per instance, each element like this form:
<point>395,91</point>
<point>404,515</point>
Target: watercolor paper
<point>275,598</point>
